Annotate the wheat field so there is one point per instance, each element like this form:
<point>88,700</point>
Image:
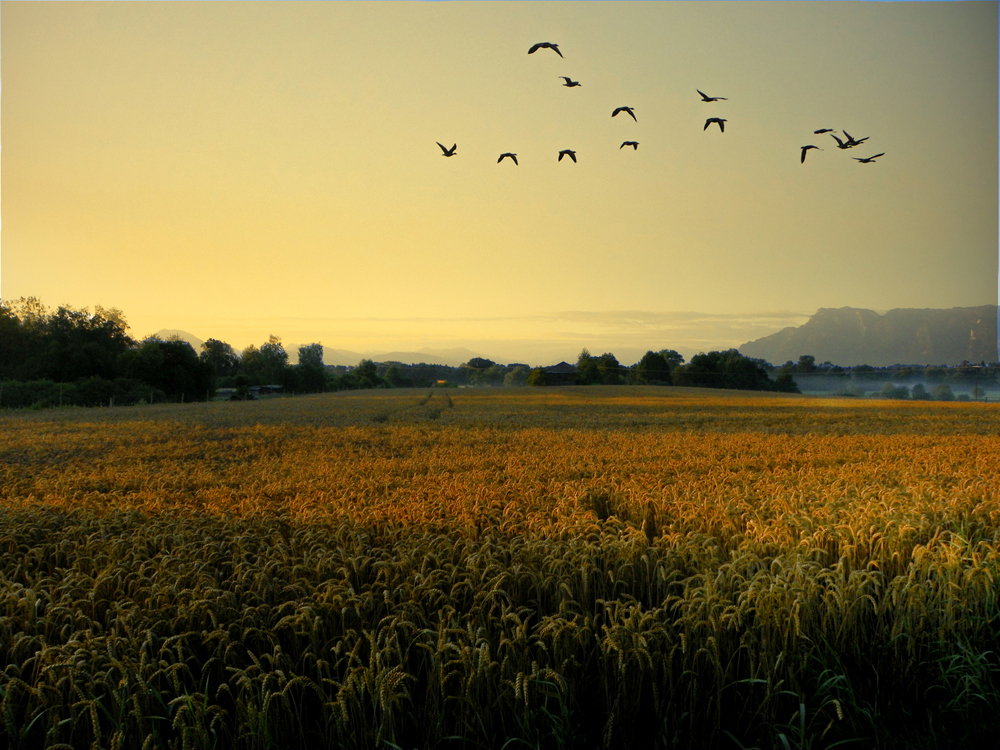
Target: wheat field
<point>573,567</point>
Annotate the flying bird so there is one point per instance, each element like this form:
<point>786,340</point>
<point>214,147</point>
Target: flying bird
<point>822,130</point>
<point>624,109</point>
<point>569,83</point>
<point>719,120</point>
<point>513,157</point>
<point>633,144</point>
<point>567,152</point>
<point>840,143</point>
<point>870,159</point>
<point>706,98</point>
<point>852,142</point>
<point>447,151</point>
<point>806,148</point>
<point>545,45</point>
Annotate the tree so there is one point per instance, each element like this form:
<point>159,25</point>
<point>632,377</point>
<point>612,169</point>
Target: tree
<point>517,376</point>
<point>609,368</point>
<point>652,369</point>
<point>252,365</point>
<point>728,369</point>
<point>274,359</point>
<point>785,383</point>
<point>942,392</point>
<point>673,358</point>
<point>311,370</point>
<point>895,391</point>
<point>537,377</point>
<point>366,374</point>
<point>171,366</point>
<point>919,393</point>
<point>220,357</point>
<point>806,364</point>
<point>586,369</point>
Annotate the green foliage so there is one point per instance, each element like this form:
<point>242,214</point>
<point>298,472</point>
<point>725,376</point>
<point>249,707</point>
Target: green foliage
<point>221,357</point>
<point>517,376</point>
<point>728,369</point>
<point>171,366</point>
<point>587,369</point>
<point>942,392</point>
<point>310,371</point>
<point>537,377</point>
<point>652,369</point>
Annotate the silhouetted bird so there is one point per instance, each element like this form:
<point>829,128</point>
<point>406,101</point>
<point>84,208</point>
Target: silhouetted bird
<point>840,143</point>
<point>633,144</point>
<point>852,142</point>
<point>567,152</point>
<point>545,45</point>
<point>870,159</point>
<point>624,109</point>
<point>718,120</point>
<point>447,151</point>
<point>706,98</point>
<point>513,157</point>
<point>806,148</point>
<point>822,130</point>
<point>569,83</point>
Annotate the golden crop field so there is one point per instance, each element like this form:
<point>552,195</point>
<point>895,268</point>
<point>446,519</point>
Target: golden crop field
<point>626,567</point>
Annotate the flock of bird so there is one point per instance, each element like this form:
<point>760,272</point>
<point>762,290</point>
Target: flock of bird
<point>849,142</point>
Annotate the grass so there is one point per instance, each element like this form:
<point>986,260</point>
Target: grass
<point>571,567</point>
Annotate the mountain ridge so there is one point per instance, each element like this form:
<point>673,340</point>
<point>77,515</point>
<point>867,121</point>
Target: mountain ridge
<point>850,336</point>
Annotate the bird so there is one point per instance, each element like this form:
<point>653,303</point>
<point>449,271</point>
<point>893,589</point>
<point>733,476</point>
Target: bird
<point>447,151</point>
<point>852,142</point>
<point>624,109</point>
<point>719,120</point>
<point>840,143</point>
<point>569,83</point>
<point>706,98</point>
<point>545,45</point>
<point>513,157</point>
<point>806,148</point>
<point>633,144</point>
<point>822,130</point>
<point>870,159</point>
<point>567,152</point>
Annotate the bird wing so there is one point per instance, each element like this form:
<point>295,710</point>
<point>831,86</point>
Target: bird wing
<point>616,112</point>
<point>534,49</point>
<point>839,142</point>
<point>629,110</point>
<point>572,155</point>
<point>722,125</point>
<point>878,155</point>
<point>555,48</point>
<point>442,147</point>
<point>561,155</point>
<point>501,158</point>
<point>704,96</point>
<point>707,123</point>
<point>514,157</point>
<point>804,155</point>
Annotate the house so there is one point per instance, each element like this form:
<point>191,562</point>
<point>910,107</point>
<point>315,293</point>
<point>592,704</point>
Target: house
<point>560,374</point>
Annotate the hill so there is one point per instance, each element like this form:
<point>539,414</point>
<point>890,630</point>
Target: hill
<point>854,336</point>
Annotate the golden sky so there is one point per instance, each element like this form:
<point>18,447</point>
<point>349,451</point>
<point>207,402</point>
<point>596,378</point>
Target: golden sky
<point>245,168</point>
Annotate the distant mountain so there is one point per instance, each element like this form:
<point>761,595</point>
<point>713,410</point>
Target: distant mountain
<point>167,334</point>
<point>854,336</point>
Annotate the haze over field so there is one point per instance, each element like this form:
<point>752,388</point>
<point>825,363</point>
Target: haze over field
<point>242,169</point>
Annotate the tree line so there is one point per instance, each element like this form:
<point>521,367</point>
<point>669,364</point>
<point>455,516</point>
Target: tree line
<point>73,356</point>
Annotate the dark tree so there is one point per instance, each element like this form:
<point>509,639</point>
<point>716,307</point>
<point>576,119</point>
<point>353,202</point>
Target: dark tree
<point>311,371</point>
<point>587,369</point>
<point>221,357</point>
<point>171,366</point>
<point>652,369</point>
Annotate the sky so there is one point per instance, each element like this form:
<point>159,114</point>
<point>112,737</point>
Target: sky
<point>243,169</point>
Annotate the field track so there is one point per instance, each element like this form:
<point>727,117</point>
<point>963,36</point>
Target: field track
<point>575,567</point>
